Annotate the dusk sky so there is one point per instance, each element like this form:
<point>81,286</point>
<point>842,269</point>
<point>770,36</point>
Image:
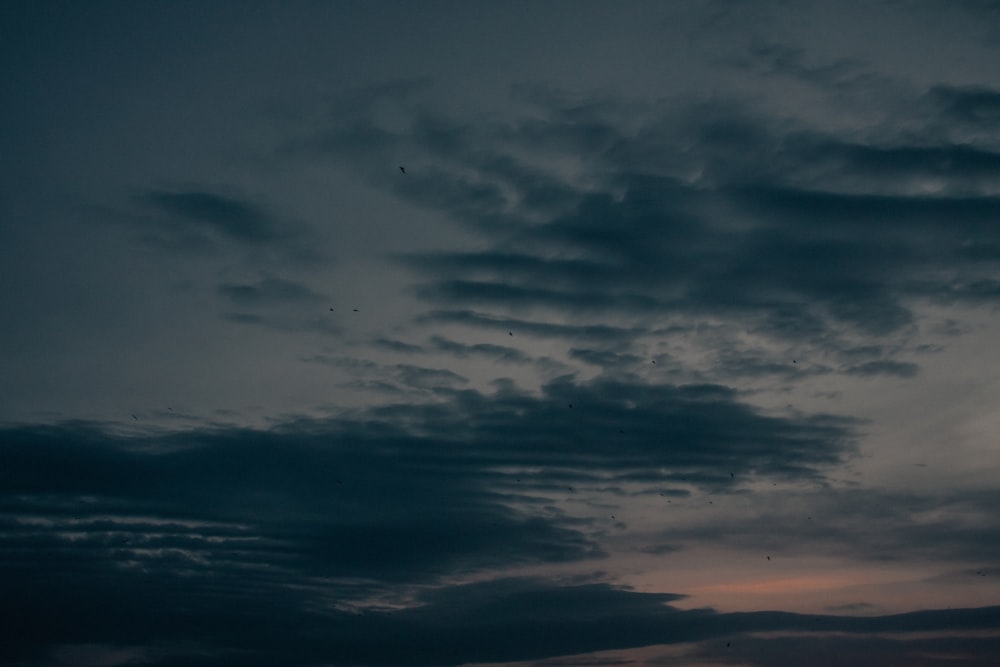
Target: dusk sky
<point>550,334</point>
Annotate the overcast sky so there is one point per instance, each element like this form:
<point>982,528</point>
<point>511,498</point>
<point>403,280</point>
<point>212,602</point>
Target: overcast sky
<point>464,333</point>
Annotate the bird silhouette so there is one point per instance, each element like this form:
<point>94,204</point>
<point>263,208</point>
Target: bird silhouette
<point>401,169</point>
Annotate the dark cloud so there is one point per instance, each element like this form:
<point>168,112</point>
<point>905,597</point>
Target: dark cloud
<point>401,494</point>
<point>785,60</point>
<point>792,231</point>
<point>349,510</point>
<point>786,649</point>
<point>397,346</point>
<point>225,216</point>
<point>527,327</point>
<point>269,291</point>
<point>204,222</point>
<point>197,623</point>
<point>486,350</point>
<point>970,107</point>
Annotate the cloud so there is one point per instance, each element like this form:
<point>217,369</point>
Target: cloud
<point>895,368</point>
<point>487,350</point>
<point>375,496</point>
<point>798,233</point>
<point>968,107</point>
<point>269,291</point>
<point>228,217</point>
<point>201,221</point>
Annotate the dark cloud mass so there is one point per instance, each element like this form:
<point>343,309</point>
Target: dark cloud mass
<point>351,511</point>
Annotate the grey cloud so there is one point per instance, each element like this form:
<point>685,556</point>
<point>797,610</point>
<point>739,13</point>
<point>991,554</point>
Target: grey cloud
<point>397,346</point>
<point>489,350</point>
<point>527,327</point>
<point>895,368</point>
<point>864,524</point>
<point>416,376</point>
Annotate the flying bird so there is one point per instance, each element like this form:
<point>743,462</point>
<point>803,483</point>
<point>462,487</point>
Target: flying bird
<point>402,170</point>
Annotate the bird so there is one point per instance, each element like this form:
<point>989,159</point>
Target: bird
<point>769,558</point>
<point>356,310</point>
<point>654,361</point>
<point>510,333</point>
<point>331,310</point>
<point>402,169</point>
<point>135,418</point>
<point>732,475</point>
<point>727,644</point>
<point>571,405</point>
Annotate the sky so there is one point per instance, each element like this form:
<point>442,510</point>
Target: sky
<point>534,334</point>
